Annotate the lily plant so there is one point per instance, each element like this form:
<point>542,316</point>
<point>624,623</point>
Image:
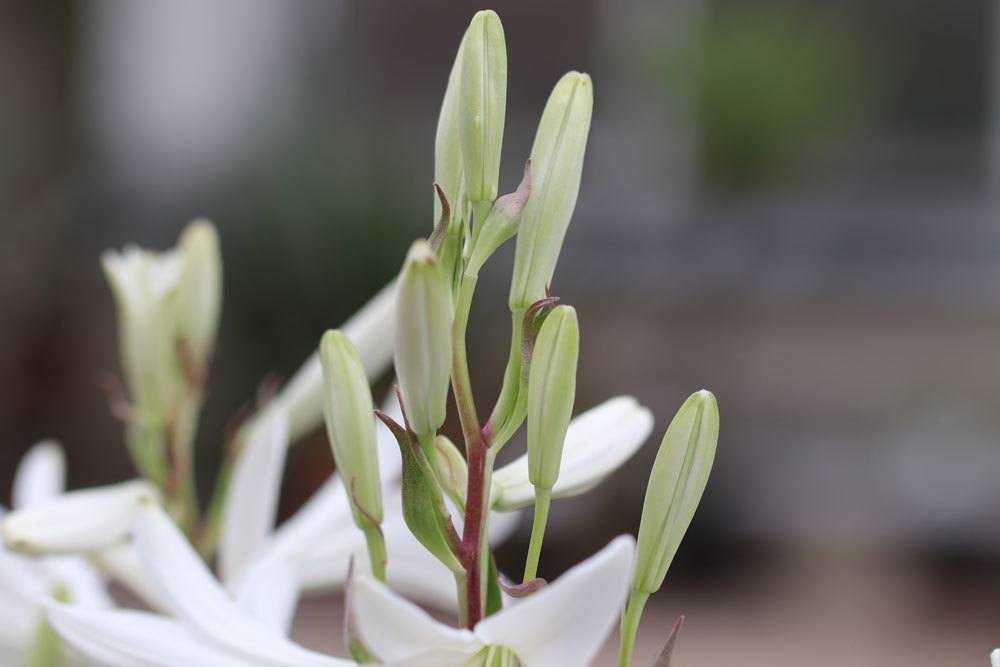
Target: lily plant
<point>409,516</point>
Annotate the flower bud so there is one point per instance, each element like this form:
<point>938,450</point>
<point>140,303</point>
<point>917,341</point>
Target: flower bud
<point>483,105</point>
<point>199,294</point>
<point>680,473</point>
<point>551,390</point>
<point>423,339</point>
<point>556,164</point>
<point>145,285</point>
<point>448,143</point>
<point>350,425</point>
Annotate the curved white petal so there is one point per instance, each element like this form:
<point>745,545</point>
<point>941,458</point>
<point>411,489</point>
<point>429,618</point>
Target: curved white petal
<point>41,475</point>
<point>77,521</point>
<point>372,330</point>
<point>194,596</point>
<point>252,503</point>
<point>21,578</point>
<point>995,658</point>
<point>269,592</point>
<point>397,630</point>
<point>136,639</point>
<point>121,563</point>
<point>597,443</point>
<point>86,587</point>
<point>542,630</point>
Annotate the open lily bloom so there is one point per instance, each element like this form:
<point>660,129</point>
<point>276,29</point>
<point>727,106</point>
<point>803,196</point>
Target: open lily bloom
<point>538,630</point>
<point>208,626</point>
<point>597,443</point>
<point>26,583</point>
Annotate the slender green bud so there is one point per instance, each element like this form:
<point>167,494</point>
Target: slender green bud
<point>483,104</point>
<point>423,339</point>
<point>199,294</point>
<point>551,390</point>
<point>680,473</point>
<point>448,144</point>
<point>557,164</point>
<point>350,425</point>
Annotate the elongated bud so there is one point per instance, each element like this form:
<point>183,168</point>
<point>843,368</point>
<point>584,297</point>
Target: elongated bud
<point>557,164</point>
<point>448,144</point>
<point>350,424</point>
<point>551,391</point>
<point>483,104</point>
<point>199,294</point>
<point>680,473</point>
<point>423,339</point>
<point>145,284</point>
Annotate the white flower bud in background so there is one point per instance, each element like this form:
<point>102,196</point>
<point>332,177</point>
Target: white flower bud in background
<point>350,424</point>
<point>551,391</point>
<point>145,286</point>
<point>676,483</point>
<point>556,165</point>
<point>483,105</point>
<point>199,293</point>
<point>423,339</point>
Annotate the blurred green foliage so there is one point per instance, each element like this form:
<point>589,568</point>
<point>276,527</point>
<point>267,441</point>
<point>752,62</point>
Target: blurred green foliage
<point>763,83</point>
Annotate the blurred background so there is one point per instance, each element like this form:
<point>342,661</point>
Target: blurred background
<point>795,204</point>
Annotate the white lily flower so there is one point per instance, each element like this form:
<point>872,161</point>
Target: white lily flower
<point>78,521</point>
<point>597,443</point>
<point>26,583</point>
<point>538,630</point>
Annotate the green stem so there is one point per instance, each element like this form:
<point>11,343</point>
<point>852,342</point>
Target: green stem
<point>376,551</point>
<point>460,381</point>
<point>461,581</point>
<point>543,500</point>
<point>630,626</point>
<point>506,418</point>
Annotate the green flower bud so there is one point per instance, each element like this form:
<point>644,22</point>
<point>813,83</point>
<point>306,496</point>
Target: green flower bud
<point>680,473</point>
<point>551,390</point>
<point>556,164</point>
<point>483,104</point>
<point>448,144</point>
<point>350,425</point>
<point>199,294</point>
<point>423,339</point>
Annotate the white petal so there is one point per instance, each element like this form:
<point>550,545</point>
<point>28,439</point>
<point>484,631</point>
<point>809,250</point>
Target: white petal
<point>372,330</point>
<point>85,585</point>
<point>269,592</point>
<point>41,475</point>
<point>136,639</point>
<point>77,521</point>
<point>121,563</point>
<point>194,595</point>
<point>597,443</point>
<point>995,657</point>
<point>252,503</point>
<point>397,630</point>
<point>566,622</point>
<point>19,624</point>
<point>22,578</point>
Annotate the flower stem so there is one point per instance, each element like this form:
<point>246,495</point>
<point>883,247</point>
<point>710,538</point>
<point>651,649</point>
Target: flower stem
<point>630,626</point>
<point>461,384</point>
<point>543,500</point>
<point>376,551</point>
